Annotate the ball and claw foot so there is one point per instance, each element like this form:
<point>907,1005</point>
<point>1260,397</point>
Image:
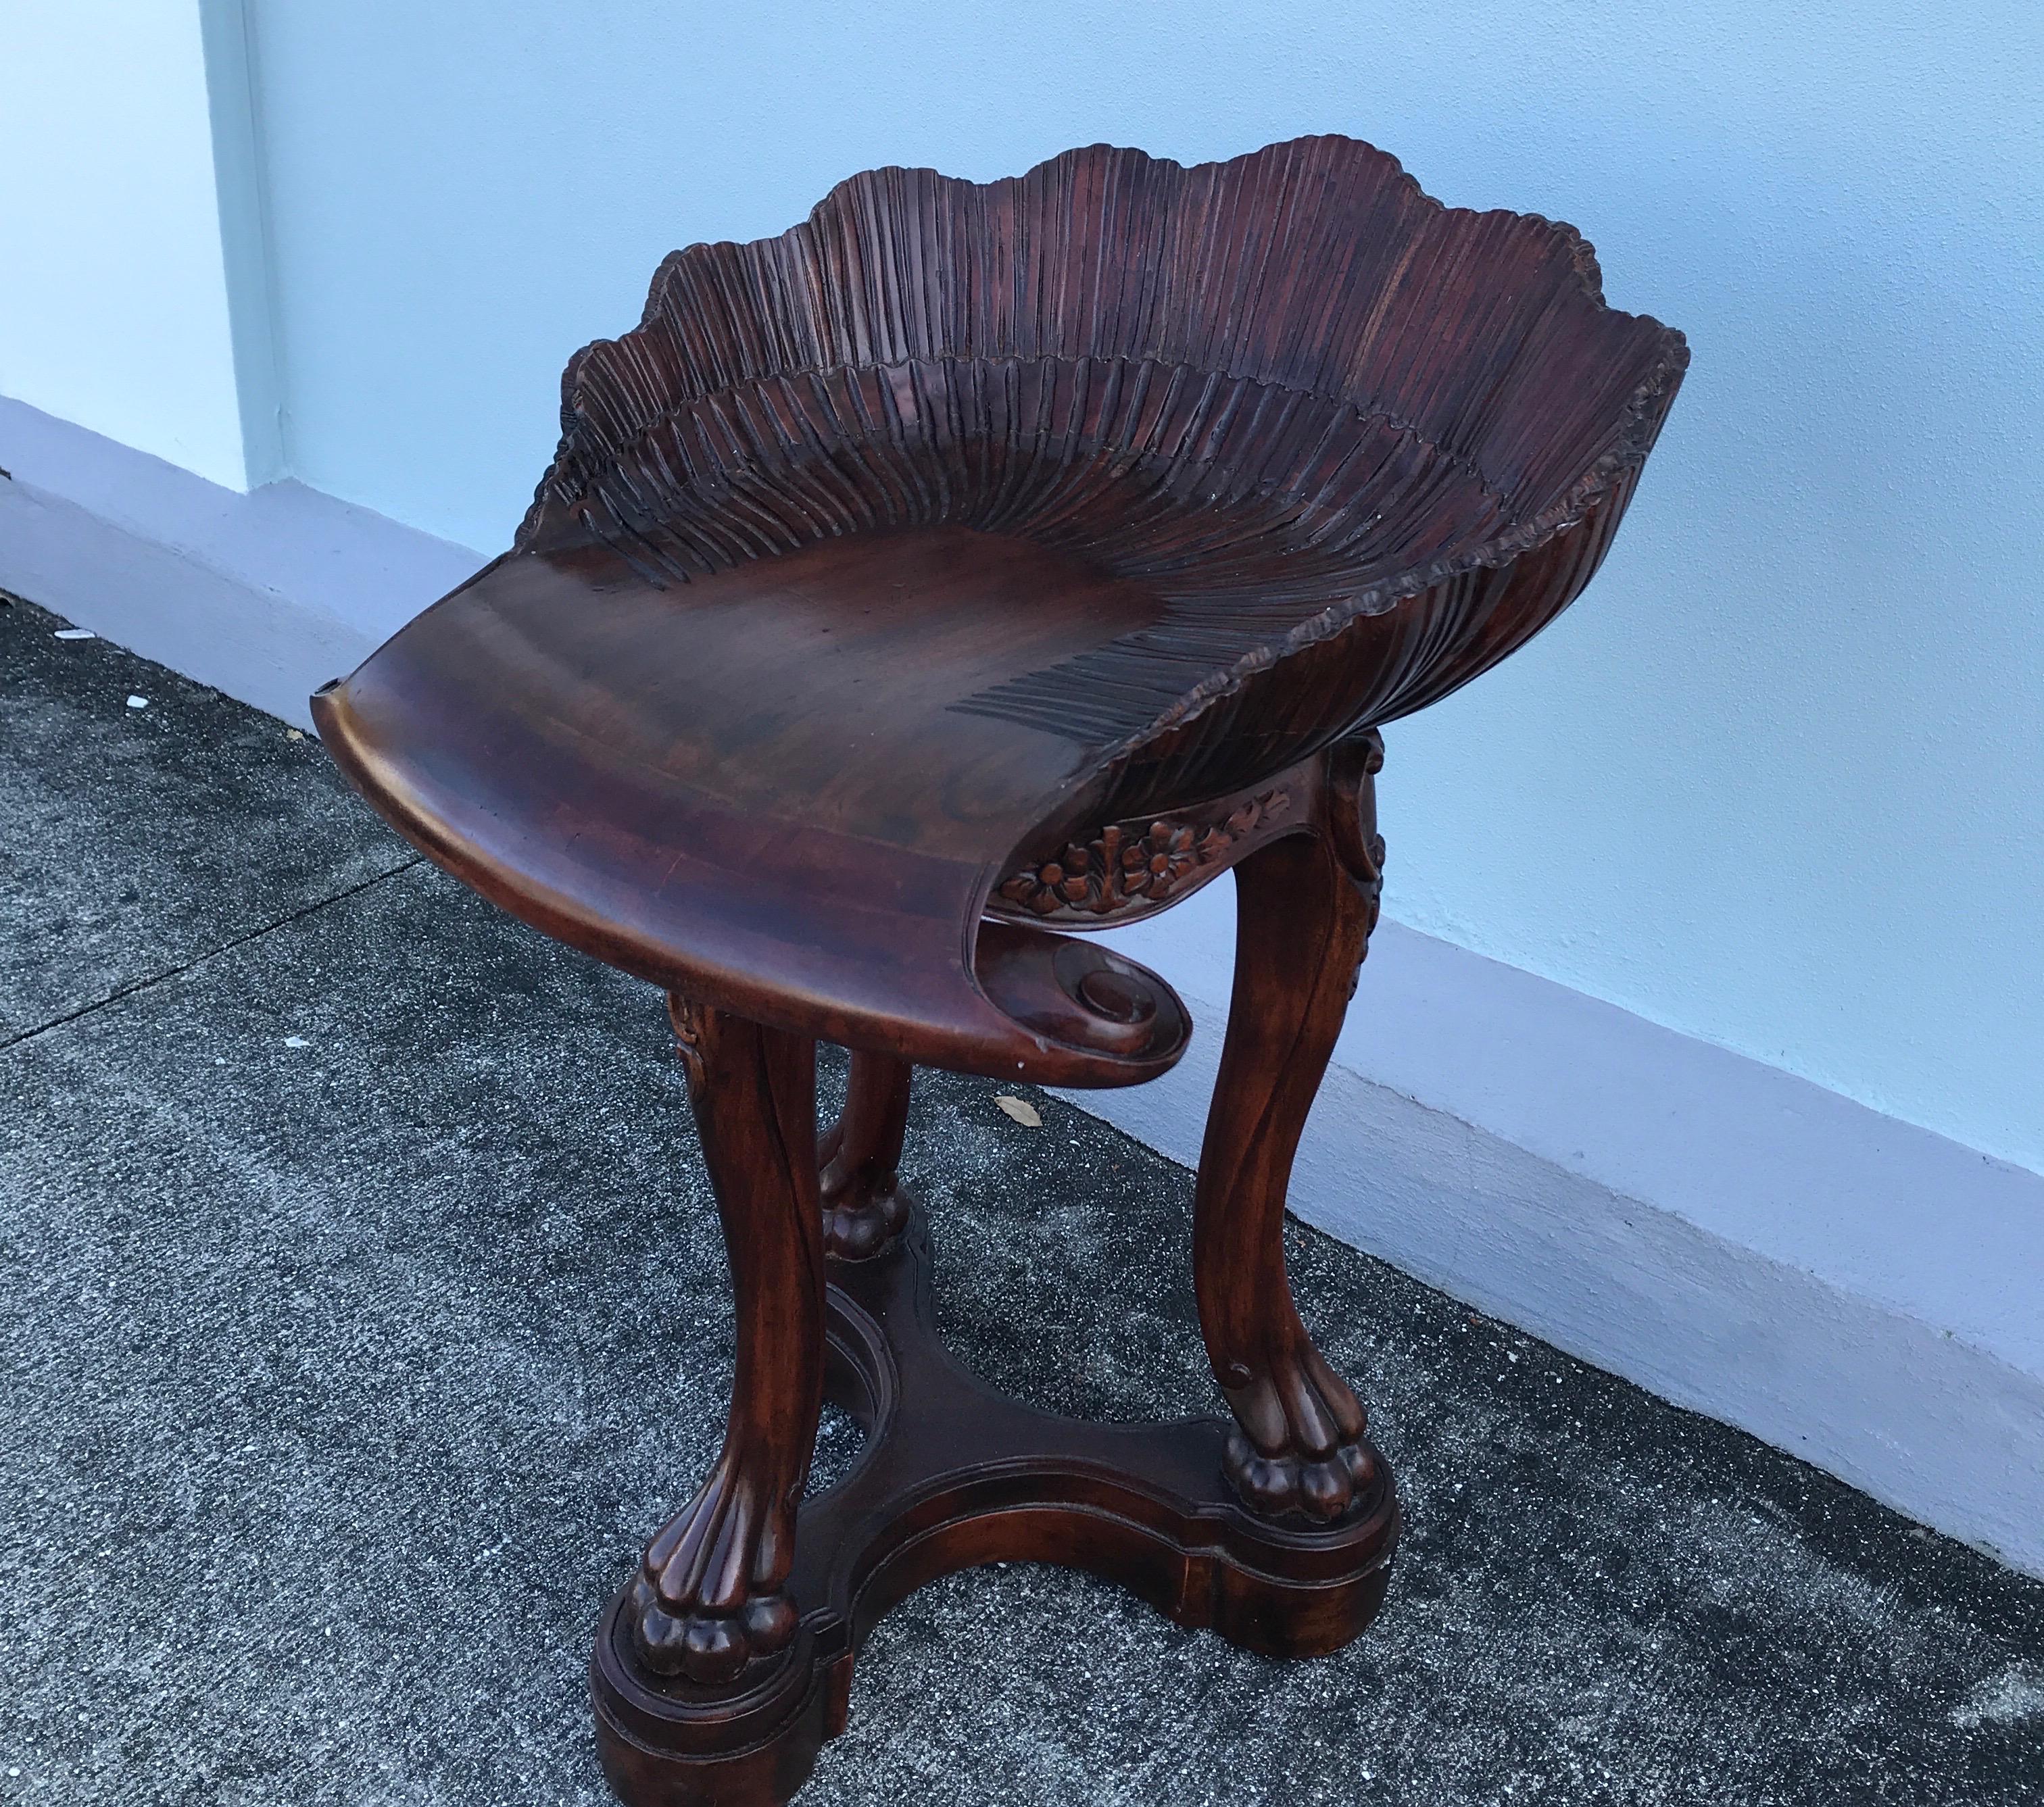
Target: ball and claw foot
<point>706,1605</point>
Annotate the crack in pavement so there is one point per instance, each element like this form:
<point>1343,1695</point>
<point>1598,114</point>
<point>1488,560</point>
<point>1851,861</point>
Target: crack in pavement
<point>211,954</point>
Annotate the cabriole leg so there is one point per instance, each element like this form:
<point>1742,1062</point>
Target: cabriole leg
<point>1305,908</point>
<point>710,1597</point>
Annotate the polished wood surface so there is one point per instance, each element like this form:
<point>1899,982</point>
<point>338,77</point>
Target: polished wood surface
<point>727,1662</point>
<point>884,560</point>
<point>754,787</point>
<point>864,1204</point>
<point>1305,906</point>
<point>971,566</point>
<point>710,1599</point>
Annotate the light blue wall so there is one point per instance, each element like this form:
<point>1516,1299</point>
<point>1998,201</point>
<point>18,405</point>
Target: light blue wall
<point>119,283</point>
<point>1777,782</point>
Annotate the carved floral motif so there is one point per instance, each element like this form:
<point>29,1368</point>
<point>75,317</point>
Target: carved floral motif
<point>1123,864</point>
<point>1353,764</point>
<point>686,1015</point>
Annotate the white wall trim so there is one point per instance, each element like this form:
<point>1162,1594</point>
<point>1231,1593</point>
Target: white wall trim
<point>1847,1287</point>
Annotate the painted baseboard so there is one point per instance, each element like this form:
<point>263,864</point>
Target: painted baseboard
<point>1858,1292</point>
<point>264,595</point>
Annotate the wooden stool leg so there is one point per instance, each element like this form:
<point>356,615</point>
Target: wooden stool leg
<point>709,1598</point>
<point>1305,908</point>
<point>864,1205</point>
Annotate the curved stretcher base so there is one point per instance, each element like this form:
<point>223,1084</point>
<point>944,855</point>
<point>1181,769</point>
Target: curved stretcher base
<point>954,1475</point>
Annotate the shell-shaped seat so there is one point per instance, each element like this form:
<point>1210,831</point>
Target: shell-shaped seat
<point>883,556</point>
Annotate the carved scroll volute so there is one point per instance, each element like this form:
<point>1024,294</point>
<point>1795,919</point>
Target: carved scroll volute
<point>1350,814</point>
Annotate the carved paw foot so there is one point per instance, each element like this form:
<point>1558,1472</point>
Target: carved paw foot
<point>1297,1447</point>
<point>707,1602</point>
<point>856,1227</point>
<point>1321,1487</point>
<point>707,1648</point>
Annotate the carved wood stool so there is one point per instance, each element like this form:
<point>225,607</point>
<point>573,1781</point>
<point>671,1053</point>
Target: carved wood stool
<point>969,565</point>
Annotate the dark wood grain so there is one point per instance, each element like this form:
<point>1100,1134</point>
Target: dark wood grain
<point>969,566</point>
<point>865,1204</point>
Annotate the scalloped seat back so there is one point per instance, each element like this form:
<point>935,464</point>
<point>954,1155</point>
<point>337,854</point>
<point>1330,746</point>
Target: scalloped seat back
<point>1271,389</point>
<point>886,558</point>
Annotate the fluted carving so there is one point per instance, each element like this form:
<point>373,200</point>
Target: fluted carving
<point>1391,396</point>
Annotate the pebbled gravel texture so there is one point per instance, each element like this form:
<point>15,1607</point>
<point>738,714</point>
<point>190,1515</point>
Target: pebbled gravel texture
<point>362,1308</point>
